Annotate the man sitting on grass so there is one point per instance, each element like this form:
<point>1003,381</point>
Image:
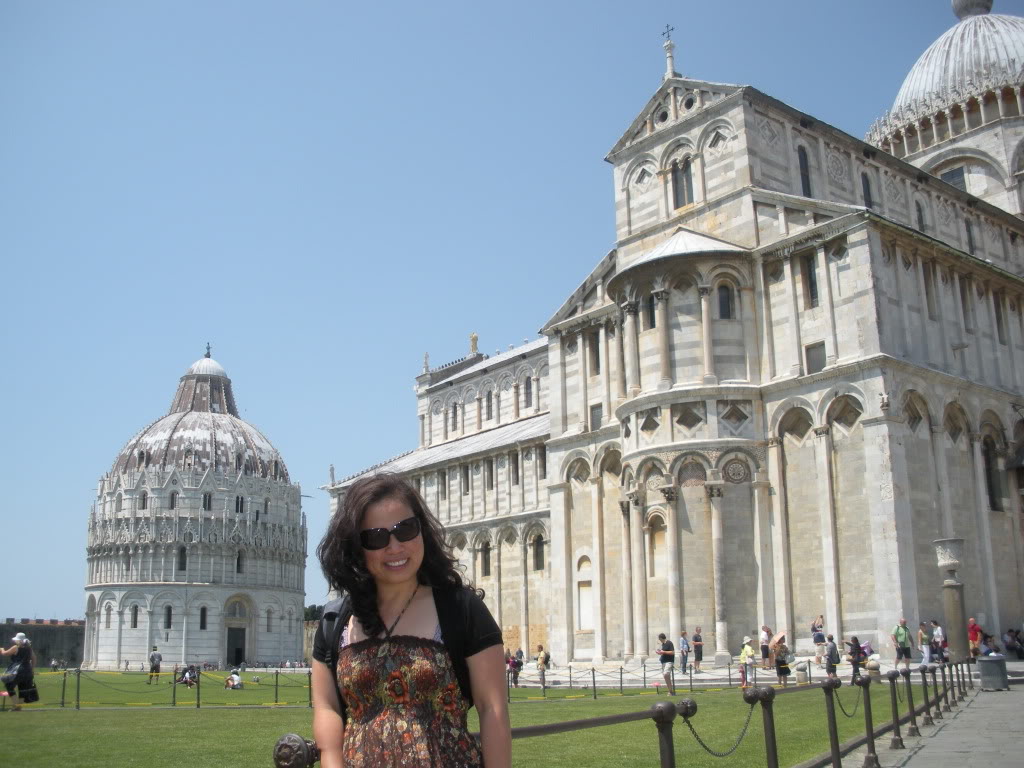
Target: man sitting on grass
<point>233,681</point>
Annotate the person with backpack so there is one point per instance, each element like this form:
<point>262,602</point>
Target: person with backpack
<point>831,656</point>
<point>409,649</point>
<point>543,662</point>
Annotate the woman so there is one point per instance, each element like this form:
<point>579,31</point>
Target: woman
<point>19,675</point>
<point>924,642</point>
<point>419,649</point>
<point>856,656</point>
<point>782,661</point>
<point>818,638</point>
<point>746,663</point>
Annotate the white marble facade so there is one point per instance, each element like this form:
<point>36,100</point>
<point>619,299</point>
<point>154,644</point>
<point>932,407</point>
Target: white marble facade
<point>800,365</point>
<point>196,540</point>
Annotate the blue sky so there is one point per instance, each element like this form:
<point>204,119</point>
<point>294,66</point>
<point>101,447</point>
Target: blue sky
<point>325,191</point>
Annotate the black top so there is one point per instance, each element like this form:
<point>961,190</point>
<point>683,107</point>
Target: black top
<point>667,657</point>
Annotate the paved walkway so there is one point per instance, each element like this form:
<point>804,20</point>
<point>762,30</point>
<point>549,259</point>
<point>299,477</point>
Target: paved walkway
<point>983,731</point>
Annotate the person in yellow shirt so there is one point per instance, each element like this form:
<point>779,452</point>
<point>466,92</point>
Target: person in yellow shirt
<point>746,663</point>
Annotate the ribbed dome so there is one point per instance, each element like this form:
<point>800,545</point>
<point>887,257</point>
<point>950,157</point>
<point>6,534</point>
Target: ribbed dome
<point>982,47</point>
<point>203,431</point>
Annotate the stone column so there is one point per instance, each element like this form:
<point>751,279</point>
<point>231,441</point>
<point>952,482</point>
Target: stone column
<point>664,343</point>
<point>829,549</point>
<point>561,572</point>
<point>120,634</point>
<point>707,344</point>
<point>497,585</point>
<point>627,584</point>
<point>524,597</point>
<point>584,378</point>
<point>1011,341</point>
<point>515,400</point>
<point>982,513</point>
<point>632,349</point>
<point>780,536</point>
<point>797,366</point>
<point>558,393</point>
<point>606,376</point>
<point>430,424</point>
<point>184,631</point>
<point>949,553</point>
<point>675,620</point>
<point>462,417</point>
<point>536,394</point>
<point>831,339</point>
<point>423,431</point>
<point>768,332</point>
<point>636,525</point>
<point>996,352</point>
<point>748,319</point>
<point>620,360</point>
<point>722,655</point>
<point>941,478</point>
<point>763,553</point>
<point>479,412</point>
<point>597,528</point>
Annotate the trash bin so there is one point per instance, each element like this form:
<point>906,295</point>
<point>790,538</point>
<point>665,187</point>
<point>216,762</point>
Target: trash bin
<point>993,673</point>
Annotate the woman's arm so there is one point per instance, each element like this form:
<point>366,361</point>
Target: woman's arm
<point>487,679</point>
<point>328,728</point>
<point>8,651</point>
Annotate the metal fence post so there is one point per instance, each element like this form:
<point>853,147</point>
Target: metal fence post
<point>766,695</point>
<point>936,701</point>
<point>593,681</point>
<point>570,677</point>
<point>78,688</point>
<point>664,713</point>
<point>970,673</point>
<point>690,670</point>
<point>199,687</point>
<point>871,758</point>
<point>672,677</point>
<point>945,689</point>
<point>896,742</point>
<point>277,675</point>
<point>912,729</point>
<point>961,692</point>
<point>830,685</point>
<point>927,719</point>
<point>63,687</point>
<point>174,689</point>
<point>310,687</point>
<point>621,692</point>
<point>728,666</point>
<point>643,666</point>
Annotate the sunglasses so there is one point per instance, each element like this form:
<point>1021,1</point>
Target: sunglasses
<point>378,538</point>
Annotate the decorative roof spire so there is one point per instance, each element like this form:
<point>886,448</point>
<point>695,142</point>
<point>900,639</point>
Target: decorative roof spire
<point>207,350</point>
<point>669,46</point>
<point>965,8</point>
<point>473,338</point>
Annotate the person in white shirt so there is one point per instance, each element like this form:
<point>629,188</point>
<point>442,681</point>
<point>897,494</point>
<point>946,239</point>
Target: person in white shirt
<point>766,652</point>
<point>938,642</point>
<point>233,681</point>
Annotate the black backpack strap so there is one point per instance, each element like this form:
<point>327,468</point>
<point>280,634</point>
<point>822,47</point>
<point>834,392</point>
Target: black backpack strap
<point>332,624</point>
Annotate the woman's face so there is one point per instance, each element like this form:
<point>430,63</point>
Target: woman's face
<point>399,561</point>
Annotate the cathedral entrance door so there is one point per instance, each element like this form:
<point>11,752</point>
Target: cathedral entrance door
<point>236,646</point>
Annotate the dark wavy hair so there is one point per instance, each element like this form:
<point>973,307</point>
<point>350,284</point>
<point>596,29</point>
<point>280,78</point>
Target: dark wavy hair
<point>341,554</point>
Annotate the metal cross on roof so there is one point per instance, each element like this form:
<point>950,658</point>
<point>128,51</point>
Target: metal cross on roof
<point>207,350</point>
<point>667,34</point>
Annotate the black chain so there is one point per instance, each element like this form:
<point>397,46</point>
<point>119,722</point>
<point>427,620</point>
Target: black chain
<point>855,706</point>
<point>899,690</point>
<point>733,748</point>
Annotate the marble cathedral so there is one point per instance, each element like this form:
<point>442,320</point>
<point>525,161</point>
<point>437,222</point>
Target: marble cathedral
<point>799,366</point>
<point>196,540</point>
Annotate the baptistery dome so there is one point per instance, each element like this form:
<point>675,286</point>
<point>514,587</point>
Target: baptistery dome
<point>981,47</point>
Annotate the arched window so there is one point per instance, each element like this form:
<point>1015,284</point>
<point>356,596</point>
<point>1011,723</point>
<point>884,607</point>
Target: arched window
<point>142,459</point>
<point>528,392</point>
<point>489,405</point>
<point>920,216</point>
<point>485,559</point>
<point>239,562</point>
<point>538,552</point>
<point>202,618</point>
<point>182,558</point>
<point>172,500</point>
<point>726,303</point>
<point>238,462</point>
<point>239,505</point>
<point>110,610</point>
<point>865,187</point>
<point>805,172</point>
<point>168,616</point>
<point>143,500</point>
<point>207,502</point>
<point>682,183</point>
<point>270,620</point>
<point>135,617</point>
<point>652,312</point>
<point>988,455</point>
<point>455,416</point>
<point>117,503</point>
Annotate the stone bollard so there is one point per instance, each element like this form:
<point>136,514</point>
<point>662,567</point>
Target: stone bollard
<point>663,713</point>
<point>293,751</point>
<point>927,719</point>
<point>829,686</point>
<point>896,742</point>
<point>945,689</point>
<point>936,701</point>
<point>912,729</point>
<point>874,670</point>
<point>871,758</point>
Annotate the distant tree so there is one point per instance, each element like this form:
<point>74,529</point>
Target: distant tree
<point>313,612</point>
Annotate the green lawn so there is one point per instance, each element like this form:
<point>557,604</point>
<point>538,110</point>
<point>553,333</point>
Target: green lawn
<point>153,737</point>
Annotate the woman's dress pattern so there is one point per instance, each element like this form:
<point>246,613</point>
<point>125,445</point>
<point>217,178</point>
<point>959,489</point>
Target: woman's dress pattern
<point>405,708</point>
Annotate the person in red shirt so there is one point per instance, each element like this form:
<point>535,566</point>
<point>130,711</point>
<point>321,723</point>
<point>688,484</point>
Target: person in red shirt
<point>974,633</point>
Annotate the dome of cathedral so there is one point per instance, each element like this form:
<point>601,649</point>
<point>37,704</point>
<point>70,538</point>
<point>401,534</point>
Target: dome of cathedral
<point>982,50</point>
<point>203,431</point>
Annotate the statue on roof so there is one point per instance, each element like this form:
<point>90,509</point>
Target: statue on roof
<point>473,338</point>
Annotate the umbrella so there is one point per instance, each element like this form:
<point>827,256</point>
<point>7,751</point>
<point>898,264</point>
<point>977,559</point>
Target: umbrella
<point>777,637</point>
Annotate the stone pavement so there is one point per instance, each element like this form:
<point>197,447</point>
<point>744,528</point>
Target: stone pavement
<point>983,731</point>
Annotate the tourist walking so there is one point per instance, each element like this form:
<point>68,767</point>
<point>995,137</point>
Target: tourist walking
<point>924,642</point>
<point>831,656</point>
<point>856,656</point>
<point>155,658</point>
<point>765,640</point>
<point>782,661</point>
<point>667,653</point>
<point>543,662</point>
<point>974,634</point>
<point>405,603</point>
<point>698,649</point>
<point>746,662</point>
<point>901,642</point>
<point>818,638</point>
<point>684,651</point>
<point>19,679</point>
<point>938,642</point>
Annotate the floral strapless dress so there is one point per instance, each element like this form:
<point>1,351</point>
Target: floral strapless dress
<point>405,709</point>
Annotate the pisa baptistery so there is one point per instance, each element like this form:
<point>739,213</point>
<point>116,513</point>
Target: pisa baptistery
<point>196,540</point>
